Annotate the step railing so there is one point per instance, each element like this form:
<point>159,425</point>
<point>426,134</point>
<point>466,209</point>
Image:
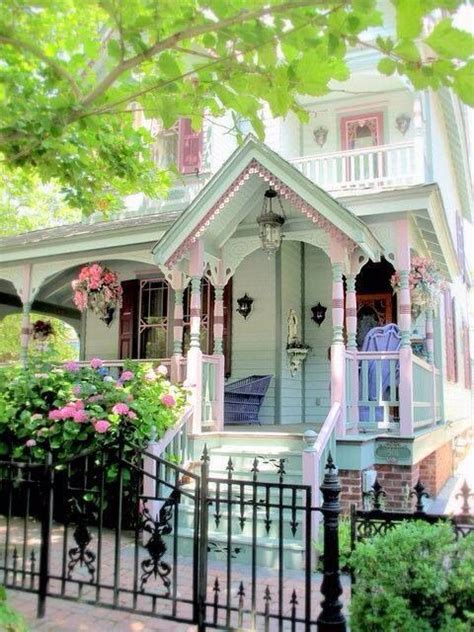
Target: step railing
<point>315,457</point>
<point>370,167</point>
<point>115,367</point>
<point>212,402</point>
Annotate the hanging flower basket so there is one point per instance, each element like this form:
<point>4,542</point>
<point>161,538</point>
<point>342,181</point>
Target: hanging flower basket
<point>98,289</point>
<point>42,330</point>
<point>425,283</point>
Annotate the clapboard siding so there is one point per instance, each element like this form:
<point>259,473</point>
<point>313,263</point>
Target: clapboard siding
<point>317,371</point>
<point>253,340</point>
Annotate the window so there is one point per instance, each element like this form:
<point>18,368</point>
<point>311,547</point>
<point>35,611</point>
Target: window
<point>179,145</point>
<point>451,351</point>
<point>153,319</point>
<point>364,130</point>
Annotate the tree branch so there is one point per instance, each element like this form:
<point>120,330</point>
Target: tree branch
<point>37,52</point>
<point>173,40</point>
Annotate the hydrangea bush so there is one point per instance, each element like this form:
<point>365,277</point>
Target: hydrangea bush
<point>425,283</point>
<point>70,409</point>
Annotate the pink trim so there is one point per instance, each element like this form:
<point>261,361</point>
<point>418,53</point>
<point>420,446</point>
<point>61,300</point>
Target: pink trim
<point>346,121</point>
<point>255,168</point>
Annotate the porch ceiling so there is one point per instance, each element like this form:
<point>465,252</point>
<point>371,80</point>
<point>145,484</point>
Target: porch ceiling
<point>234,196</point>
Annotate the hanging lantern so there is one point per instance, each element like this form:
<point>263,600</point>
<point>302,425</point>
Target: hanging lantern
<point>270,223</point>
<point>244,305</point>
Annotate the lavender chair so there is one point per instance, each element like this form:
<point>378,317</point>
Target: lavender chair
<point>385,338</point>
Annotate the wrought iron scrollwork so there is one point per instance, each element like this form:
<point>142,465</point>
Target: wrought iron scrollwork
<point>80,554</point>
<point>376,495</point>
<point>158,527</point>
<point>419,493</point>
<point>465,493</point>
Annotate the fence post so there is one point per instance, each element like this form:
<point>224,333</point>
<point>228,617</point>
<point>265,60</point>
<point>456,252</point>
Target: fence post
<point>46,526</point>
<point>203,541</point>
<point>331,618</point>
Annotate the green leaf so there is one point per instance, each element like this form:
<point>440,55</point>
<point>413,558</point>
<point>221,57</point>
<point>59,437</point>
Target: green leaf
<point>463,83</point>
<point>409,18</point>
<point>407,50</point>
<point>387,66</point>
<point>451,42</point>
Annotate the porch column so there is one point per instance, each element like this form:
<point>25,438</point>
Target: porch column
<point>430,358</point>
<point>351,328</point>
<point>404,321</point>
<point>26,299</point>
<point>219,354</point>
<point>177,336</point>
<point>25,333</point>
<point>337,347</point>
<point>194,357</point>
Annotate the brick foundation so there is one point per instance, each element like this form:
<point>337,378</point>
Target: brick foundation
<point>397,482</point>
<point>436,468</point>
<point>351,489</point>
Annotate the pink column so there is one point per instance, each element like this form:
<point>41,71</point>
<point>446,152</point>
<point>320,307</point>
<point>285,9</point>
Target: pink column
<point>218,353</point>
<point>404,322</point>
<point>177,336</point>
<point>338,359</point>
<point>430,358</point>
<point>194,357</point>
<point>351,328</point>
<point>25,320</point>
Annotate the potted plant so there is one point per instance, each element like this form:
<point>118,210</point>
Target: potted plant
<point>296,352</point>
<point>425,283</point>
<point>97,288</point>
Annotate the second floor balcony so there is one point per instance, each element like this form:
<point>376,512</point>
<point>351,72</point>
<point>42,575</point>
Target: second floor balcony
<point>355,171</point>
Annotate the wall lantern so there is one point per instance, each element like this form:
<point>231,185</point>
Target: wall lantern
<point>270,223</point>
<point>244,305</point>
<point>402,123</point>
<point>319,313</point>
<point>320,135</point>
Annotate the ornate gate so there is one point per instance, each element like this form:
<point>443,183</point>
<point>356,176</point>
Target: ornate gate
<point>127,530</point>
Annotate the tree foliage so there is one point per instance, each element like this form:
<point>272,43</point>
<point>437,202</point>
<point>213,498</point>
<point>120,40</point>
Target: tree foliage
<point>71,70</point>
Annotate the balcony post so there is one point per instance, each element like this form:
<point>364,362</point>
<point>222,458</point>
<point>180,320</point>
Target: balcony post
<point>194,356</point>
<point>418,142</point>
<point>219,354</point>
<point>430,358</point>
<point>351,328</point>
<point>338,351</point>
<point>404,320</point>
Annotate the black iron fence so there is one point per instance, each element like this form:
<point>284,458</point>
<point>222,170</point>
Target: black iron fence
<point>125,529</point>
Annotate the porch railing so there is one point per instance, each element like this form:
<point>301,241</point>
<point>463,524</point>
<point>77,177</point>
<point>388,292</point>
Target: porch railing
<point>212,402</point>
<point>370,167</point>
<point>426,393</point>
<point>115,367</point>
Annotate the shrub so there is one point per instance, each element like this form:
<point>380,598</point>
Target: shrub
<point>415,577</point>
<point>70,409</point>
<point>344,532</point>
<point>10,620</point>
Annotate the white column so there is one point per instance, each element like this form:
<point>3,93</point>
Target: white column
<point>338,359</point>
<point>194,357</point>
<point>351,328</point>
<point>219,354</point>
<point>25,332</point>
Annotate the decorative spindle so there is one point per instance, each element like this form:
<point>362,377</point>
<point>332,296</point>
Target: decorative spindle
<point>420,493</point>
<point>465,493</point>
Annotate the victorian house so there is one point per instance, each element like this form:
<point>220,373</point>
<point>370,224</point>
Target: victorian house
<point>275,259</point>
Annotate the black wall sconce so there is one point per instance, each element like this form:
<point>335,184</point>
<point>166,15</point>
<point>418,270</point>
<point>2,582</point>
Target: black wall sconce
<point>244,305</point>
<point>319,313</point>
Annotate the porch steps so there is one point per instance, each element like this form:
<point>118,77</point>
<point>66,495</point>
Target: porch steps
<point>243,455</point>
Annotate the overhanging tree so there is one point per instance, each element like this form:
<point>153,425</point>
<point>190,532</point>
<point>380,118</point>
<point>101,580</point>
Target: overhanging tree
<point>71,71</point>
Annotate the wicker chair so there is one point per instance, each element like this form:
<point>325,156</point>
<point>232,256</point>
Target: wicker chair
<point>243,399</point>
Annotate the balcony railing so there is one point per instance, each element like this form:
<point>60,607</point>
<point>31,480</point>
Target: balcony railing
<point>382,166</point>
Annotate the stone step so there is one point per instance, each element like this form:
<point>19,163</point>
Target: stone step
<point>243,458</point>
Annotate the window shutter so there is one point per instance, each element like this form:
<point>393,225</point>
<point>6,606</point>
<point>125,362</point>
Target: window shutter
<point>190,147</point>
<point>467,357</point>
<point>448,317</point>
<point>128,315</point>
<point>460,244</point>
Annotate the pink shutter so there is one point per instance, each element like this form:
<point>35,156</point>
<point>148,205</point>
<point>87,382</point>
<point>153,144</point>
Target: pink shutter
<point>190,147</point>
<point>467,357</point>
<point>448,316</point>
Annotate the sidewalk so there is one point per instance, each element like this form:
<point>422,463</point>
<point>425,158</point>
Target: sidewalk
<point>446,502</point>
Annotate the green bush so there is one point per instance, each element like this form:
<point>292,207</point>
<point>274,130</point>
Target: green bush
<point>10,620</point>
<point>344,545</point>
<point>415,578</point>
<point>70,409</point>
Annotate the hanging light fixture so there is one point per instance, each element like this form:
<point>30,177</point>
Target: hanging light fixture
<point>270,223</point>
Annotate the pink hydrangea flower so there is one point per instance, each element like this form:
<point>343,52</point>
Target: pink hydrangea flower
<point>55,415</point>
<point>76,389</point>
<point>96,363</point>
<point>150,375</point>
<point>30,443</point>
<point>121,409</point>
<point>71,366</point>
<point>78,404</point>
<point>168,400</point>
<point>132,415</point>
<point>162,370</point>
<point>101,426</point>
<point>127,376</point>
<point>80,416</point>
<point>67,412</point>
